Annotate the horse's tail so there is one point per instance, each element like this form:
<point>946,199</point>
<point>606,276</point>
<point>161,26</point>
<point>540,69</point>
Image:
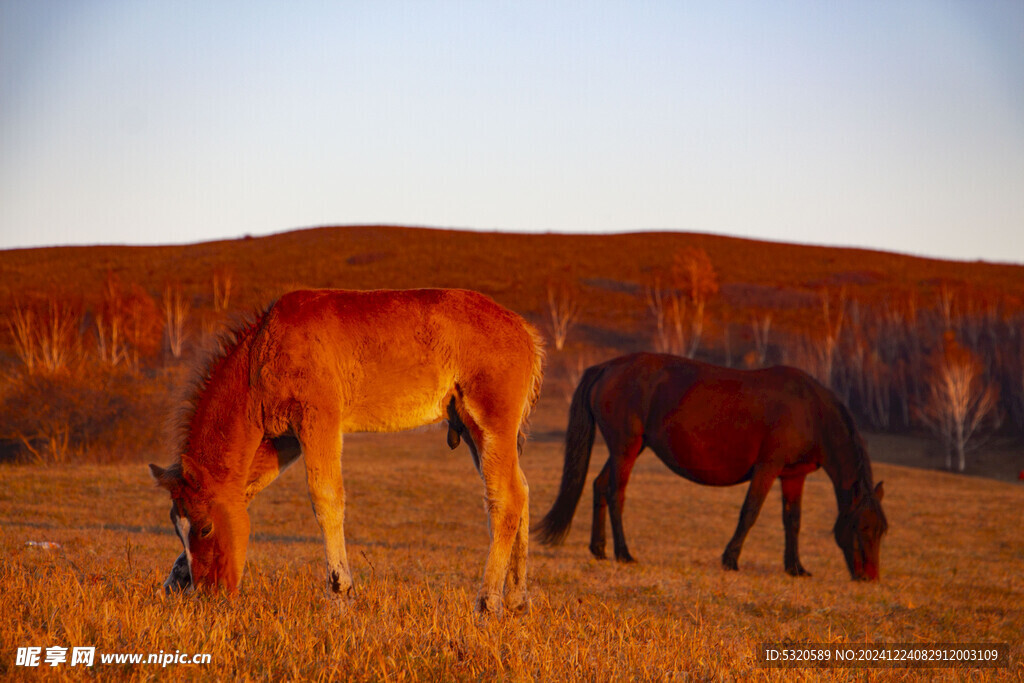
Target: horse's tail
<point>536,379</point>
<point>579,441</point>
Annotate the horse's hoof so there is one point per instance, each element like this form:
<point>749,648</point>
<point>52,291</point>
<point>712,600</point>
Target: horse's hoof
<point>341,584</point>
<point>730,563</point>
<point>598,553</point>
<point>341,599</point>
<point>518,606</point>
<point>797,571</point>
<point>625,558</point>
<point>340,604</point>
<point>487,603</point>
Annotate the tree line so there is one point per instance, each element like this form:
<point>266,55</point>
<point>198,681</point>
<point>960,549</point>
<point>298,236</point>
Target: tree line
<point>953,366</point>
<point>84,379</point>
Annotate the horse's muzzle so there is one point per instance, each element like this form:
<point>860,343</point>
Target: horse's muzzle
<point>867,573</point>
<point>180,578</point>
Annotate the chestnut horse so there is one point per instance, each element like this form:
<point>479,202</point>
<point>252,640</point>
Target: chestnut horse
<point>317,364</point>
<point>719,427</point>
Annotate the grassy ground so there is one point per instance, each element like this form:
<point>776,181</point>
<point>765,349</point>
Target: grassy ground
<point>953,571</point>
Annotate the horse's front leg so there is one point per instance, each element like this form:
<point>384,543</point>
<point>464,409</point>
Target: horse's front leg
<point>792,493</point>
<point>321,446</point>
<point>272,458</point>
<point>760,484</point>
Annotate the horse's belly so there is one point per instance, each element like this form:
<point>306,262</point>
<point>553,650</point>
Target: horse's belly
<point>374,421</point>
<point>709,472</point>
<point>716,460</point>
<point>394,411</point>
<point>402,398</point>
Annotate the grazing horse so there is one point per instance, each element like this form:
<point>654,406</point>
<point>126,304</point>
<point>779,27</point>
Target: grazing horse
<point>719,427</point>
<point>319,363</point>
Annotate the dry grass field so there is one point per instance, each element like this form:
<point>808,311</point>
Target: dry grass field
<point>952,571</point>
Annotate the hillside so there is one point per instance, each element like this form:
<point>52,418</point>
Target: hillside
<point>870,324</point>
<point>611,270</point>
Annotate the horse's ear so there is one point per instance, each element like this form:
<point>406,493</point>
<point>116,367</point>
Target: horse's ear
<point>879,492</point>
<point>169,478</point>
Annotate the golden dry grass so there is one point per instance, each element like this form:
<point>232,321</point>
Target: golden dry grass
<point>953,571</point>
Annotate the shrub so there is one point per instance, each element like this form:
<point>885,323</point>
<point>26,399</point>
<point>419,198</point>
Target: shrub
<point>92,415</point>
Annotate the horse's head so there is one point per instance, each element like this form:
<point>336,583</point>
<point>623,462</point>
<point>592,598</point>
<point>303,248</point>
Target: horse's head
<point>213,534</point>
<point>859,531</point>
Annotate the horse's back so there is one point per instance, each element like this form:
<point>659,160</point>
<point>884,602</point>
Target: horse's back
<point>390,358</point>
<point>713,424</point>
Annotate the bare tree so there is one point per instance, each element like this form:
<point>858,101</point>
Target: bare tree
<point>59,341</point>
<point>946,305</point>
<point>176,309</point>
<point>676,322</point>
<point>657,303</point>
<point>222,278</point>
<point>563,305</point>
<point>761,326</point>
<point>903,353</point>
<point>677,301</point>
<point>959,400</point>
<point>877,397</point>
<point>697,280</point>
<point>143,325</point>
<point>832,328</point>
<point>22,325</point>
<point>110,320</point>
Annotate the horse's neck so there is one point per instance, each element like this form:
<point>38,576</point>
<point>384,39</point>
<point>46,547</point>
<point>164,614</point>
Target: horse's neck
<point>220,429</point>
<point>846,465</point>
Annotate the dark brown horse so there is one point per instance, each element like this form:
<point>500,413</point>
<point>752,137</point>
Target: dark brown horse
<point>321,363</point>
<point>719,427</point>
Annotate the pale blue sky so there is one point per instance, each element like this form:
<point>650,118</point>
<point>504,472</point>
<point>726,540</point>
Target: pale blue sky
<point>885,124</point>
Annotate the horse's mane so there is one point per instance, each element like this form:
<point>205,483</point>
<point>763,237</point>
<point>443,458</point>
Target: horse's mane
<point>861,462</point>
<point>205,369</point>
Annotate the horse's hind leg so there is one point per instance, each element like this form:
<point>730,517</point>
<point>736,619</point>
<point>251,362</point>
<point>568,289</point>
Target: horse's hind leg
<point>760,484</point>
<point>322,449</point>
<point>621,465</point>
<point>792,492</point>
<point>597,537</point>
<point>505,497</point>
<point>516,599</point>
<point>506,500</point>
